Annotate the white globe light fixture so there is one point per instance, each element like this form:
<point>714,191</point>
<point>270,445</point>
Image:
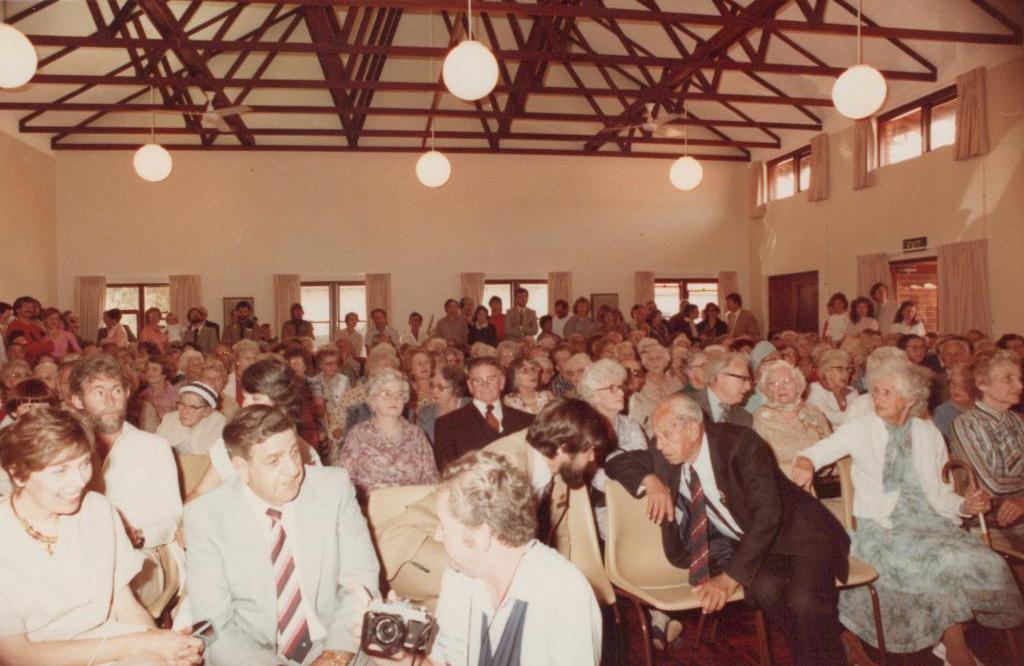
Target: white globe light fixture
<point>18,58</point>
<point>860,91</point>
<point>686,173</point>
<point>152,162</point>
<point>470,70</point>
<point>433,169</point>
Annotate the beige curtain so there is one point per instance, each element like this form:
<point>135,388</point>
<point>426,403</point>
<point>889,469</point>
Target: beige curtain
<point>472,285</point>
<point>728,283</point>
<point>971,120</point>
<point>559,286</point>
<point>90,301</point>
<point>378,293</point>
<point>863,154</point>
<point>963,287</point>
<point>287,290</point>
<point>186,293</point>
<point>643,290</point>
<point>757,191</point>
<point>872,269</point>
<point>817,190</point>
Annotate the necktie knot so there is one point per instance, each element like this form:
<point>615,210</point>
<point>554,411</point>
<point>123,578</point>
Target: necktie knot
<point>274,514</point>
<point>491,419</point>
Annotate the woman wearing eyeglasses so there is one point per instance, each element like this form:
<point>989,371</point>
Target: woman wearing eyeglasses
<point>447,393</point>
<point>832,393</point>
<point>785,421</point>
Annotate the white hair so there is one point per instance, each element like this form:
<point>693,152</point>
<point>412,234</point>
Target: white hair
<point>384,379</point>
<point>681,407</point>
<point>602,372</point>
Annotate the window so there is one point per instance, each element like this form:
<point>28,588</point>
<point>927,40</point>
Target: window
<point>668,292</point>
<point>327,303</point>
<point>504,289</point>
<point>917,280</point>
<point>915,128</point>
<point>789,174</point>
<point>134,299</point>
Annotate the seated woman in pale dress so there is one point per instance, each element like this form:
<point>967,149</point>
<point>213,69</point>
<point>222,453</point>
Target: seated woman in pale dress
<point>196,425</point>
<point>832,393</point>
<point>933,576</point>
<point>526,395</point>
<point>66,561</point>
<point>784,420</point>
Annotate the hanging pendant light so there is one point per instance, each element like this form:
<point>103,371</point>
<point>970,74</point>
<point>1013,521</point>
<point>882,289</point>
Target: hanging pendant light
<point>860,91</point>
<point>18,58</point>
<point>432,168</point>
<point>152,162</point>
<point>470,70</point>
<point>686,172</point>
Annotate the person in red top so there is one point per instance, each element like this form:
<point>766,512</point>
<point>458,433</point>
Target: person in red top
<point>25,312</point>
<point>497,317</point>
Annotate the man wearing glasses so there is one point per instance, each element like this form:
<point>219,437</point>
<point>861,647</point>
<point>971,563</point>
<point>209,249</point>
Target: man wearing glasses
<point>483,420</point>
<point>728,383</point>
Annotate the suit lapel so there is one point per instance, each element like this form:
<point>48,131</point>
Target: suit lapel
<point>719,464</point>
<point>310,538</point>
<point>245,541</point>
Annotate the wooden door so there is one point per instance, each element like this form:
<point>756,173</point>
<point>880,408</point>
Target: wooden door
<point>793,302</point>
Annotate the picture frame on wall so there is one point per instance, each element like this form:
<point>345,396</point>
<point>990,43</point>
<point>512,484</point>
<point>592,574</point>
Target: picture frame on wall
<point>229,307</point>
<point>598,300</point>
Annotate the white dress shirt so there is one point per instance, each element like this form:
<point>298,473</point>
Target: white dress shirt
<point>481,407</point>
<point>718,514</point>
<point>717,408</point>
<point>558,324</point>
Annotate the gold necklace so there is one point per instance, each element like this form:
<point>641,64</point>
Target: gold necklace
<point>48,541</point>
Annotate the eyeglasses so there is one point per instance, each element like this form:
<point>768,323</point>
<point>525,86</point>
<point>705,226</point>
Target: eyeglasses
<point>635,373</point>
<point>392,395</point>
<point>614,388</point>
<point>781,382</point>
<point>439,387</point>
<point>746,379</point>
<point>481,381</point>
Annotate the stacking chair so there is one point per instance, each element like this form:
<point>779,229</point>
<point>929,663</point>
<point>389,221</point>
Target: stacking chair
<point>386,503</point>
<point>585,549</point>
<point>191,468</point>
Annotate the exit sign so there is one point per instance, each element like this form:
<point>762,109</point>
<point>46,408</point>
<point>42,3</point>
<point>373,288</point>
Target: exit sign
<point>915,244</point>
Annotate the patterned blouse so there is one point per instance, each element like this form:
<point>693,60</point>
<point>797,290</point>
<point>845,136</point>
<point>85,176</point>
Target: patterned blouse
<point>788,437</point>
<point>373,461</point>
<point>992,442</point>
<point>515,401</point>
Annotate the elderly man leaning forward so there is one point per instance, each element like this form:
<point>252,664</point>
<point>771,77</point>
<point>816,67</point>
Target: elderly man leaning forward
<point>557,453</point>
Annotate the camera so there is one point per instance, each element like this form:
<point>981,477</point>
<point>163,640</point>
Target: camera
<point>392,626</point>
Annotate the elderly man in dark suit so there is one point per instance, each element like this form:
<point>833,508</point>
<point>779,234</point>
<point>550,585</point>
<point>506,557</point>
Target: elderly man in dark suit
<point>729,515</point>
<point>483,420</point>
<point>728,383</point>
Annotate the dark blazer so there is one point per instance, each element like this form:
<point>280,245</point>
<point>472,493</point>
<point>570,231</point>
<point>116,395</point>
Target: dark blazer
<point>487,334</point>
<point>736,415</point>
<point>720,328</point>
<point>465,430</point>
<point>776,516</point>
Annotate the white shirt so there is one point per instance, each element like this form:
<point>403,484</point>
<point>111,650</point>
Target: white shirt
<point>825,400</point>
<point>836,326</point>
<point>706,472</point>
<point>903,329</point>
<point>408,338</point>
<point>140,478</point>
<point>558,324</point>
<point>481,407</point>
<point>291,529</point>
<point>174,332</point>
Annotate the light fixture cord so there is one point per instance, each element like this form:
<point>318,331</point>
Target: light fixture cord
<point>469,20</point>
<point>433,79</point>
<point>860,47</point>
<point>686,129</point>
<point>152,115</point>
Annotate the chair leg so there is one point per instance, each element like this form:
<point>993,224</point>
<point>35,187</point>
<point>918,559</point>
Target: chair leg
<point>1013,646</point>
<point>764,653</point>
<point>699,634</point>
<point>645,632</point>
<point>713,632</point>
<point>876,609</point>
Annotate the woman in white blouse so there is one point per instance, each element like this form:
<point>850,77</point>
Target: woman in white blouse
<point>832,393</point>
<point>66,562</point>
<point>838,320</point>
<point>906,321</point>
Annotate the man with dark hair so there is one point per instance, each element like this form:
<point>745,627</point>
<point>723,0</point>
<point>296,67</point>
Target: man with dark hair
<point>414,335</point>
<point>200,333</point>
<point>36,342</point>
<point>557,453</point>
<point>521,321</point>
<point>453,327</point>
<point>244,327</point>
<point>379,330</point>
<point>483,420</point>
<point>561,317</point>
<point>741,323</point>
<point>273,552</point>
<point>296,327</point>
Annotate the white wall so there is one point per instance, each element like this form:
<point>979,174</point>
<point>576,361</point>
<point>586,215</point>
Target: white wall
<point>238,218</point>
<point>932,195</point>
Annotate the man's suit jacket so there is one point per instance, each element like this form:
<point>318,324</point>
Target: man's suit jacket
<point>776,516</point>
<point>465,430</point>
<point>736,414</point>
<point>742,324</point>
<point>231,578</point>
<point>235,331</point>
<point>520,323</point>
<point>206,338</point>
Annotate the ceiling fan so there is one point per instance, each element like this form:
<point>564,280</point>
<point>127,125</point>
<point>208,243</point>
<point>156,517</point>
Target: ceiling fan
<point>213,118</point>
<point>655,126</point>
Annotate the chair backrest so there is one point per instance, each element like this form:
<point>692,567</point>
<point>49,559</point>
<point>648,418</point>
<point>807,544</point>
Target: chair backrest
<point>633,550</point>
<point>844,467</point>
<point>584,547</point>
<point>191,468</point>
<point>386,503</point>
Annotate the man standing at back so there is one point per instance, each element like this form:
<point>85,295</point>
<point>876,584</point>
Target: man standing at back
<point>244,326</point>
<point>742,323</point>
<point>273,550</point>
<point>453,327</point>
<point>200,333</point>
<point>520,321</point>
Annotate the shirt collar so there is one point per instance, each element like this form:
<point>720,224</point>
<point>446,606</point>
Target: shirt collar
<point>989,411</point>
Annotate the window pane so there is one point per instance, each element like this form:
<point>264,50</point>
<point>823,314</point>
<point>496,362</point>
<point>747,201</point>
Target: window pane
<point>943,128</point>
<point>131,322</point>
<point>667,297</point>
<point>321,331</point>
<point>781,180</point>
<point>158,297</point>
<point>702,293</point>
<point>502,290</point>
<point>538,297</point>
<point>805,173</point>
<point>900,137</point>
<point>316,302</point>
<point>352,298</point>
<point>125,298</point>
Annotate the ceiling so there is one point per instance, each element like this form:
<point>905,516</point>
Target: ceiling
<point>364,75</point>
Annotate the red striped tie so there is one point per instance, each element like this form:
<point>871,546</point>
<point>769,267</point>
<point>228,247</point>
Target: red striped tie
<point>292,629</point>
<point>699,544</point>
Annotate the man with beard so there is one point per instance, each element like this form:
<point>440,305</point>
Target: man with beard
<point>137,470</point>
<point>200,332</point>
<point>557,453</point>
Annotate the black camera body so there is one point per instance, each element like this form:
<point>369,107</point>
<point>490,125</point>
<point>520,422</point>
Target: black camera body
<point>392,626</point>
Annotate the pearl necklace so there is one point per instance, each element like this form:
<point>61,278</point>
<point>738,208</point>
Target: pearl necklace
<point>49,542</point>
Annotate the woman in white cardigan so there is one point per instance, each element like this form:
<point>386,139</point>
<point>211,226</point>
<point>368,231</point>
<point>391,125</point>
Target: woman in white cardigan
<point>933,576</point>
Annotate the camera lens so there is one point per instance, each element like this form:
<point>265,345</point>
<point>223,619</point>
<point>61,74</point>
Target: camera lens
<point>387,631</point>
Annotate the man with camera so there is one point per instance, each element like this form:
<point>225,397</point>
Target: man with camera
<point>244,327</point>
<point>275,551</point>
<point>505,598</point>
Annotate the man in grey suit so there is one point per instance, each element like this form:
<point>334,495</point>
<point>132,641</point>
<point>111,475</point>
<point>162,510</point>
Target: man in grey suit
<point>728,383</point>
<point>520,321</point>
<point>273,552</point>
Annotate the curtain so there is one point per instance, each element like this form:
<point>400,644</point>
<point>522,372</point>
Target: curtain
<point>473,286</point>
<point>559,286</point>
<point>971,122</point>
<point>643,287</point>
<point>872,269</point>
<point>286,292</point>
<point>728,283</point>
<point>378,293</point>
<point>818,188</point>
<point>90,300</point>
<point>963,287</point>
<point>185,294</point>
<point>757,192</point>
<point>863,154</point>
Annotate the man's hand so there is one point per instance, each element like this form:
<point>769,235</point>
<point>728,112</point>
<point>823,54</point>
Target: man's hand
<point>361,602</point>
<point>1010,512</point>
<point>803,473</point>
<point>715,593</point>
<point>976,502</point>
<point>333,658</point>
<point>659,500</point>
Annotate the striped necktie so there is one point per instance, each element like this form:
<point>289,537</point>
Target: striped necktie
<point>699,543</point>
<point>293,639</point>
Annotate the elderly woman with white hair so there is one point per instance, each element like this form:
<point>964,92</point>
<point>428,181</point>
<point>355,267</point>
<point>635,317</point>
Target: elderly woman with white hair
<point>832,393</point>
<point>784,420</point>
<point>387,450</point>
<point>603,386</point>
<point>195,426</point>
<point>190,365</point>
<point>933,576</point>
<point>658,385</point>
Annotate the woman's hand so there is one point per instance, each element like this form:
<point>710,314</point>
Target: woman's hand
<point>803,473</point>
<point>1010,511</point>
<point>976,502</point>
<point>177,648</point>
<point>660,506</point>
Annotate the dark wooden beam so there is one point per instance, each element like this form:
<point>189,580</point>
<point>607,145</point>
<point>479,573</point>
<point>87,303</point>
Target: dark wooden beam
<point>322,30</point>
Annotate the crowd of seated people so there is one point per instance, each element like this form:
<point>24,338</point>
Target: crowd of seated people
<point>93,432</point>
